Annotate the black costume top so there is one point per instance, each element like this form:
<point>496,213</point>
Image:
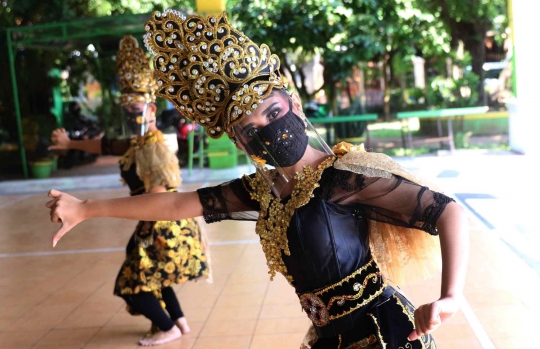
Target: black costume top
<point>328,237</point>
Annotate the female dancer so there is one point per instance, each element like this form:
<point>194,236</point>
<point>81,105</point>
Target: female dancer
<point>340,225</point>
<point>159,253</point>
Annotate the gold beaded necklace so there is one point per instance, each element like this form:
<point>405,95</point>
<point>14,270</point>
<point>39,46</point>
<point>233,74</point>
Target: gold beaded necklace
<point>275,216</point>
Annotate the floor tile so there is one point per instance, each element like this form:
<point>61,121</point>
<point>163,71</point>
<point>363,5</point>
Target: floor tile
<point>221,342</point>
<point>285,325</point>
<point>43,317</point>
<point>20,339</point>
<point>234,313</point>
<point>281,311</point>
<point>121,335</point>
<point>242,300</point>
<point>67,298</point>
<point>90,315</point>
<point>74,337</point>
<point>284,340</point>
<point>228,328</point>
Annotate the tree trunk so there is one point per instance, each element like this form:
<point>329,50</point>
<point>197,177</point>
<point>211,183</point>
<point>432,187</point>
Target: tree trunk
<point>331,100</point>
<point>386,108</point>
<point>362,90</point>
<point>350,97</point>
<point>477,49</point>
<point>302,91</point>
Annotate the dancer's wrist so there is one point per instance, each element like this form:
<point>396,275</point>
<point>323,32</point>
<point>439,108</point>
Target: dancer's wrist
<point>90,209</point>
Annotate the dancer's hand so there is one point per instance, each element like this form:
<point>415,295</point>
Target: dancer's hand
<point>66,210</point>
<point>428,317</point>
<point>60,139</point>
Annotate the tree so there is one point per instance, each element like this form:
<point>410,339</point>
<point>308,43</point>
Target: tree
<point>468,21</point>
<point>294,30</point>
<point>344,33</point>
<point>33,65</point>
<point>390,29</point>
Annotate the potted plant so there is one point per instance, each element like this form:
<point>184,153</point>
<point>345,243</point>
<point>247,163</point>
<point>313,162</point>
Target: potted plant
<point>41,162</point>
<point>41,168</point>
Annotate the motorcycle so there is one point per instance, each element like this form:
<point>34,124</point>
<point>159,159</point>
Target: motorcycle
<point>79,127</point>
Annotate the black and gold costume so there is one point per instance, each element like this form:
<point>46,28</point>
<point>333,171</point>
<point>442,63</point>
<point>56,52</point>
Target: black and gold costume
<point>351,225</point>
<point>159,254</point>
<point>328,257</point>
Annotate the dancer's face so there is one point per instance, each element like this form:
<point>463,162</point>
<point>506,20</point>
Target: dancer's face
<point>275,132</point>
<point>273,108</point>
<point>140,117</point>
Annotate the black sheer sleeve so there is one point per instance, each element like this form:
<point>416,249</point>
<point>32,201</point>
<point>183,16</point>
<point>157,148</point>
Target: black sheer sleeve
<point>392,200</point>
<point>114,146</point>
<point>228,201</point>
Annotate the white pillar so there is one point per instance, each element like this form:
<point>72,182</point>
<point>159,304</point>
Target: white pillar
<point>419,72</point>
<point>524,123</point>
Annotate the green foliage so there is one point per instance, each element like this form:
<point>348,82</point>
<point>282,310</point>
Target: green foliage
<point>32,65</point>
<point>468,21</point>
<point>341,32</point>
<point>450,93</point>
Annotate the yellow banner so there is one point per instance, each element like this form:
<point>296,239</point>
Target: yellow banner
<point>211,6</point>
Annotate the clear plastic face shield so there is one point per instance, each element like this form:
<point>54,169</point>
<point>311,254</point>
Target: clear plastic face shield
<point>280,141</point>
<point>137,118</point>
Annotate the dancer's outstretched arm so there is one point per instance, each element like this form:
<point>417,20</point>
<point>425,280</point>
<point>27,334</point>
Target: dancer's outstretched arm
<point>70,211</point>
<point>454,235</point>
<point>61,141</point>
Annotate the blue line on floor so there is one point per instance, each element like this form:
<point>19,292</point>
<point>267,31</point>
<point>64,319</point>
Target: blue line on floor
<point>463,197</point>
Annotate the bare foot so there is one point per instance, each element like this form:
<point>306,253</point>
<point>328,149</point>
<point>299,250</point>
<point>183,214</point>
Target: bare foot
<point>153,330</point>
<point>161,337</point>
<point>183,325</point>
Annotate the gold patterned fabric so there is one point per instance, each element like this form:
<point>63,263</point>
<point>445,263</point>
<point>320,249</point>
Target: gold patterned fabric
<point>135,76</point>
<point>212,73</point>
<point>161,254</point>
<point>275,216</point>
<point>344,297</point>
<point>385,326</point>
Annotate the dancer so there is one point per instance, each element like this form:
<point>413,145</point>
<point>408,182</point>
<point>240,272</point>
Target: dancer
<point>342,226</point>
<point>159,253</point>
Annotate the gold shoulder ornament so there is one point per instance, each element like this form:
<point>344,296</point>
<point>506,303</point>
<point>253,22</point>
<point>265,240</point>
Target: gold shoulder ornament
<point>405,255</point>
<point>156,164</point>
<point>356,159</point>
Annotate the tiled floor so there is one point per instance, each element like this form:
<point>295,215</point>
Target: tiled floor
<point>62,298</point>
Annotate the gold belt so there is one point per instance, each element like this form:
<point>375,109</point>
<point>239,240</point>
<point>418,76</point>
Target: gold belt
<point>343,297</point>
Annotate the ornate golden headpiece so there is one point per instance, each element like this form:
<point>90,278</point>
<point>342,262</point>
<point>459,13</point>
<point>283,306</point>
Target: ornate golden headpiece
<point>211,72</point>
<point>136,78</point>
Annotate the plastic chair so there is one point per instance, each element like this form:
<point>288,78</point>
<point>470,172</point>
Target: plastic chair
<point>201,153</point>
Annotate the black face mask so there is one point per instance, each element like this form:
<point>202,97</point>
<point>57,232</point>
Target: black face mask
<point>281,143</point>
<point>137,122</point>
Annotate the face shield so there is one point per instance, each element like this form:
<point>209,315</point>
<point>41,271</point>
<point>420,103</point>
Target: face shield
<point>280,141</point>
<point>137,119</point>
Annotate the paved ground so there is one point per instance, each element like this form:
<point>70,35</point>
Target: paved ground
<point>64,295</point>
<point>498,188</point>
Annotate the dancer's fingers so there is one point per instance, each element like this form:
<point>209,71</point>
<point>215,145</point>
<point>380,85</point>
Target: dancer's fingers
<point>53,193</point>
<point>50,203</point>
<point>64,228</point>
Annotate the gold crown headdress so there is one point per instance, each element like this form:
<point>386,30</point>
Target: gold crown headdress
<point>211,72</point>
<point>136,78</point>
